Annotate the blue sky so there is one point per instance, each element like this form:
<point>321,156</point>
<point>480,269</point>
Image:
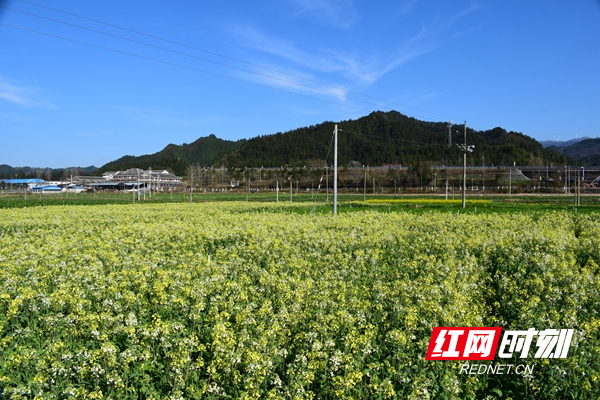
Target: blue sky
<point>238,69</point>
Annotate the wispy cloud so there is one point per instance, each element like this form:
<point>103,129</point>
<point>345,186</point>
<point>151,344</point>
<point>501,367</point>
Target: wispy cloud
<point>253,38</point>
<point>472,7</point>
<point>13,93</point>
<point>357,66</point>
<point>294,80</point>
<point>341,13</point>
<point>366,70</point>
<point>22,95</point>
<point>428,96</point>
<point>361,68</point>
<point>369,70</point>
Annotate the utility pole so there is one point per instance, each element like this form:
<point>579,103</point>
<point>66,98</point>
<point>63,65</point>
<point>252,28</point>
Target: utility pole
<point>509,181</point>
<point>578,189</point>
<point>483,173</point>
<point>191,182</point>
<point>465,148</point>
<point>335,168</point>
<point>575,188</point>
<point>450,134</point>
<point>277,188</point>
<point>446,170</point>
<point>464,191</point>
<point>327,182</point>
<point>365,188</point>
<point>150,177</point>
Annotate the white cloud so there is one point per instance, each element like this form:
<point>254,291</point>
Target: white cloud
<point>368,70</point>
<point>359,68</point>
<point>427,40</point>
<point>252,38</point>
<point>22,95</point>
<point>14,94</point>
<point>428,96</point>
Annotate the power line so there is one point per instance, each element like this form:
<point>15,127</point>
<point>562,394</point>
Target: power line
<point>182,53</point>
<point>179,66</point>
<point>222,56</point>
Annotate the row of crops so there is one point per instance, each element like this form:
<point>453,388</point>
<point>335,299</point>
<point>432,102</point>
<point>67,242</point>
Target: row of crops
<point>247,300</point>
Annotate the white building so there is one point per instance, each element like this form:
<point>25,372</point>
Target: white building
<point>159,180</point>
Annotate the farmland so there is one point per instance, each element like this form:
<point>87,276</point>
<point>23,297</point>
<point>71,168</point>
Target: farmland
<point>258,299</point>
<point>320,202</point>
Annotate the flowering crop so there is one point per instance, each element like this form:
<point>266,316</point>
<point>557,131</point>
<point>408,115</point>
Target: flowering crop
<point>250,301</point>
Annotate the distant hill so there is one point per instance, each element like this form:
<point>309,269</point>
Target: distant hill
<point>7,172</point>
<point>388,138</point>
<point>585,152</point>
<point>561,143</point>
<point>176,158</point>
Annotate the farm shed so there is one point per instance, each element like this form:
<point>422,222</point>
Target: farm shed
<point>47,188</point>
<point>107,186</point>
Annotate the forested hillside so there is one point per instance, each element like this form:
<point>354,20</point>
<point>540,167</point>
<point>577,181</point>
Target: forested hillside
<point>388,138</point>
<point>376,139</point>
<point>51,174</point>
<point>176,158</point>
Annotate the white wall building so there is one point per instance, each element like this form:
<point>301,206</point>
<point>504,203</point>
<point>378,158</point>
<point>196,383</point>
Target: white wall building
<point>159,180</point>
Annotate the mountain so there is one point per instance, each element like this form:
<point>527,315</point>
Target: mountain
<point>176,158</point>
<point>376,139</point>
<point>388,138</point>
<point>559,143</point>
<point>586,152</point>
